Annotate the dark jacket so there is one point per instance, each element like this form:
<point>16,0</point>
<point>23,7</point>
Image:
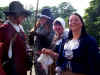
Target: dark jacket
<point>43,37</point>
<point>19,50</point>
<point>86,57</point>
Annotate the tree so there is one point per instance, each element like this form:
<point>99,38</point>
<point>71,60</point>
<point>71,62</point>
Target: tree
<point>66,9</point>
<point>92,19</point>
<point>55,11</point>
<point>2,15</point>
<point>29,21</point>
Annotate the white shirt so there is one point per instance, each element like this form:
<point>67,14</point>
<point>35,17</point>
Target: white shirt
<point>69,47</point>
<point>15,26</point>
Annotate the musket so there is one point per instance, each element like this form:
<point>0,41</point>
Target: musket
<point>36,14</point>
<point>35,28</point>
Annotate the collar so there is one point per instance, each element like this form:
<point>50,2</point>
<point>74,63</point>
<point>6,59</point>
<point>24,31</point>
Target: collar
<point>15,26</point>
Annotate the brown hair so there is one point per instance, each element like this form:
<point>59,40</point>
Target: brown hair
<point>83,30</point>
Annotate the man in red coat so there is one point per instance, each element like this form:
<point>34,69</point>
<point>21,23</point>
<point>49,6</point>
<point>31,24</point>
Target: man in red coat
<point>12,40</point>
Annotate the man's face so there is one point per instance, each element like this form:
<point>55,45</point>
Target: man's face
<point>43,20</point>
<point>20,19</point>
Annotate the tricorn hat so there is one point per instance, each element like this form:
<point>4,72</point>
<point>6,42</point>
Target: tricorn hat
<point>46,13</point>
<point>16,9</point>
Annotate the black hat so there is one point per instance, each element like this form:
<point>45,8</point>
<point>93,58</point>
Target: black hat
<point>16,9</point>
<point>46,13</point>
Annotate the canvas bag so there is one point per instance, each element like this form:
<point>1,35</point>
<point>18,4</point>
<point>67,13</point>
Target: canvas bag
<point>45,60</point>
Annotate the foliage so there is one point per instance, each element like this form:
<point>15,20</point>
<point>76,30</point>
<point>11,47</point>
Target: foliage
<point>2,15</point>
<point>92,19</point>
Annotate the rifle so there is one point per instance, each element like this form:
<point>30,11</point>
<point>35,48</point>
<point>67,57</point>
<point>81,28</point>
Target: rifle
<point>35,28</point>
<point>36,15</point>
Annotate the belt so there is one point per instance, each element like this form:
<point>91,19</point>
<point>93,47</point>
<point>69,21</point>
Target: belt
<point>37,52</point>
<point>71,73</point>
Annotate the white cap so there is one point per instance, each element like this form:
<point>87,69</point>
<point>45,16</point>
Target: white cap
<point>61,20</point>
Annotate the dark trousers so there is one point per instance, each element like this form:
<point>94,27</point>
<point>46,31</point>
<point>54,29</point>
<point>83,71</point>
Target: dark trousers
<point>10,67</point>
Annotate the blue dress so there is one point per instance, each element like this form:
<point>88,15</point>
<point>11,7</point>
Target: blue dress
<point>86,58</point>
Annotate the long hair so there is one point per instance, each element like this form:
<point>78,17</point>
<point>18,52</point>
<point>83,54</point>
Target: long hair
<point>83,30</point>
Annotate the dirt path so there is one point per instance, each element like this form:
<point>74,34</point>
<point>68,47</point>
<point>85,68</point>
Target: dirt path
<point>33,71</point>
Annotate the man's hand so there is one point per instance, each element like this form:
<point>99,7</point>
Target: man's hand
<point>37,24</point>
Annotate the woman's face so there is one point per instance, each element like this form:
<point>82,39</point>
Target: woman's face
<point>58,29</point>
<point>75,23</point>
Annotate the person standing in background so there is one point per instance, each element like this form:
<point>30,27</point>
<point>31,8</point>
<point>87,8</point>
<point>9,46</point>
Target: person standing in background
<point>41,37</point>
<point>60,34</point>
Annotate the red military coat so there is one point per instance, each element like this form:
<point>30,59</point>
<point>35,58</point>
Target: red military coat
<point>19,50</point>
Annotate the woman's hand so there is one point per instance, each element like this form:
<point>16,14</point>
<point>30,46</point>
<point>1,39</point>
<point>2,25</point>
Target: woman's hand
<point>49,52</point>
<point>46,51</point>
